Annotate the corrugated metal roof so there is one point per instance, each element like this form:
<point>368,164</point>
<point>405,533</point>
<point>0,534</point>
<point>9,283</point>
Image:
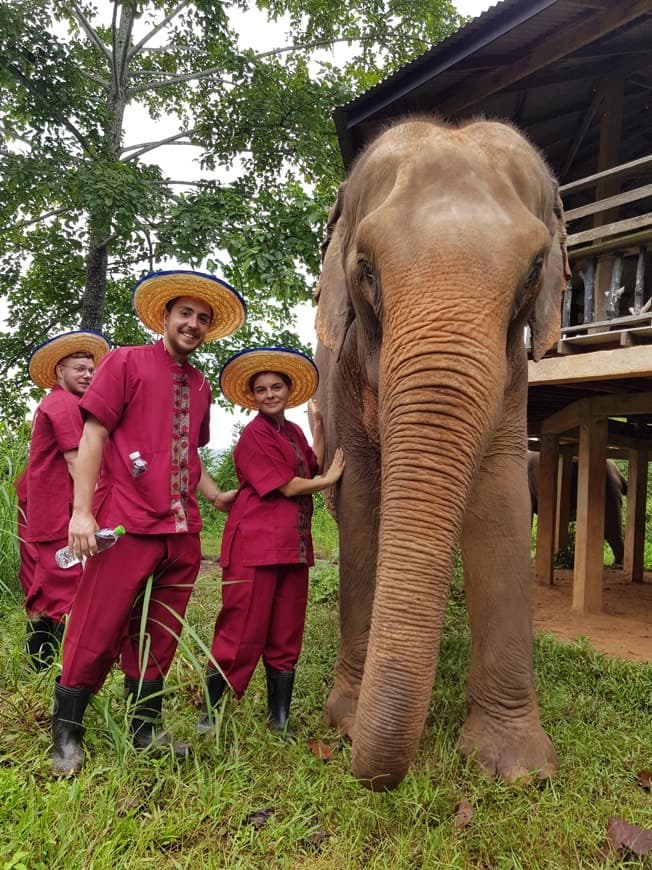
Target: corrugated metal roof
<point>478,70</point>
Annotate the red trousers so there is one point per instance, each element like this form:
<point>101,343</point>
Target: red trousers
<point>262,615</point>
<point>107,620</point>
<point>27,552</point>
<point>52,589</point>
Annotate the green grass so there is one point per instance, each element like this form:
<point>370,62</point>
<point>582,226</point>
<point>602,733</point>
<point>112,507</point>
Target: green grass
<point>132,811</point>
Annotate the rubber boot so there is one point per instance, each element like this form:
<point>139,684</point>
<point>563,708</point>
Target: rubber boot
<point>215,685</point>
<point>279,696</point>
<point>43,641</point>
<point>146,721</point>
<point>67,729</point>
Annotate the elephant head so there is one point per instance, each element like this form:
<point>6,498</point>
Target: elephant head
<point>444,243</point>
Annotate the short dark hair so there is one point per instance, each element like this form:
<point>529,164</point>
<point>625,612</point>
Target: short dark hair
<point>287,380</point>
<point>78,354</point>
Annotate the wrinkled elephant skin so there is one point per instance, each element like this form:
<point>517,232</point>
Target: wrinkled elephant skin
<point>443,245</point>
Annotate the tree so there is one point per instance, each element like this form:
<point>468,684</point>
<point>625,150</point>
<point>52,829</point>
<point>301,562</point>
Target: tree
<point>84,213</point>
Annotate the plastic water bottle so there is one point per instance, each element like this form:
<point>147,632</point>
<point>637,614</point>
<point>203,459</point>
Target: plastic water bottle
<point>138,464</point>
<point>105,538</point>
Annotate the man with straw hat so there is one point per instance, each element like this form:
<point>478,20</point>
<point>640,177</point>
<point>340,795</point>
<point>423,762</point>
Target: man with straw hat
<point>64,365</point>
<point>146,415</point>
<point>267,546</point>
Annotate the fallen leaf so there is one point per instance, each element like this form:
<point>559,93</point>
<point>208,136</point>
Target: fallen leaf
<point>315,840</point>
<point>644,779</point>
<point>629,838</point>
<point>259,817</point>
<point>463,814</point>
<point>319,749</point>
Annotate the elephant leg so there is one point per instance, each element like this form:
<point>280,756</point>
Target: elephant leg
<point>502,729</point>
<point>357,511</point>
<point>613,522</point>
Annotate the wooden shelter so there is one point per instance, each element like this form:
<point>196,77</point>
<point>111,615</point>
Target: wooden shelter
<point>576,76</point>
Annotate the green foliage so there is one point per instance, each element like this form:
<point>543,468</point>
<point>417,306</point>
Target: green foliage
<point>84,212</point>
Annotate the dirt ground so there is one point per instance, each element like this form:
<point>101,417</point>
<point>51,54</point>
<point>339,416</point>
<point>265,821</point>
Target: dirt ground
<point>623,629</point>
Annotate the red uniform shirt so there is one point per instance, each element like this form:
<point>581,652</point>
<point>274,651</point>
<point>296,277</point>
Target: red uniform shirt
<point>151,404</point>
<point>274,529</point>
<point>56,428</point>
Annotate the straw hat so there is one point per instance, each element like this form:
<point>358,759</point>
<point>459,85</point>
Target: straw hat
<point>240,368</point>
<point>44,358</point>
<point>153,292</point>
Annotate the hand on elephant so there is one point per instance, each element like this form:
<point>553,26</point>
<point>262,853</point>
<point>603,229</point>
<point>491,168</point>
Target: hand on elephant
<point>336,468</point>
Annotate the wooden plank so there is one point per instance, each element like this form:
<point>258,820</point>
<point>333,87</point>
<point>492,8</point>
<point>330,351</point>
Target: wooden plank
<point>545,53</point>
<point>615,323</point>
<point>599,365</point>
<point>547,509</point>
<point>623,169</point>
<point>589,528</point>
<point>609,230</point>
<point>614,405</point>
<point>564,499</point>
<point>610,202</point>
<point>635,523</point>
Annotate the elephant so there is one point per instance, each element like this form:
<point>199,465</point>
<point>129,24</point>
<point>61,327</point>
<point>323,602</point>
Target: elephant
<point>615,489</point>
<point>445,242</point>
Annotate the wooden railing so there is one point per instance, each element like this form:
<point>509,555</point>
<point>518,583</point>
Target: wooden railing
<point>609,299</point>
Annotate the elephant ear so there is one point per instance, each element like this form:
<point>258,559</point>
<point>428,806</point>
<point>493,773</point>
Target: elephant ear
<point>334,309</point>
<point>545,322</point>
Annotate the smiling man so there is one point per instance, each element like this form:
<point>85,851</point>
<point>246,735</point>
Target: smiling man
<point>64,365</point>
<point>147,403</point>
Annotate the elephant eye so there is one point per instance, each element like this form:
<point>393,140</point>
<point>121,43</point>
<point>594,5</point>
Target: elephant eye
<point>535,270</point>
<point>365,272</point>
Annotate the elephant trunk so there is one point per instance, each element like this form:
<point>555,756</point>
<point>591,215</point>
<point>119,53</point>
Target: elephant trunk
<point>437,412</point>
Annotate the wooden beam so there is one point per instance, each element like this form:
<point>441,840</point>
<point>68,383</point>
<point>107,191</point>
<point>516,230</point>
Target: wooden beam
<point>564,499</point>
<point>546,509</point>
<point>613,229</point>
<point>614,405</point>
<point>544,53</point>
<point>635,523</point>
<point>610,202</point>
<point>589,528</point>
<point>599,365</point>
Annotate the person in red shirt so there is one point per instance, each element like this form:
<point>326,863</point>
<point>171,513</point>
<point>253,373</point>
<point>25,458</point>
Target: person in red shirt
<point>267,545</point>
<point>148,401</point>
<point>64,365</point>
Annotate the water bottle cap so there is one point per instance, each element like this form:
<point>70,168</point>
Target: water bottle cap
<point>119,530</point>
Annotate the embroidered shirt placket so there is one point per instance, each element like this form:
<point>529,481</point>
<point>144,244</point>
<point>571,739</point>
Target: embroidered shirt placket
<point>180,472</point>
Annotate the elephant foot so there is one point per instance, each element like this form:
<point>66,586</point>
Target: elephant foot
<point>340,711</point>
<point>516,751</point>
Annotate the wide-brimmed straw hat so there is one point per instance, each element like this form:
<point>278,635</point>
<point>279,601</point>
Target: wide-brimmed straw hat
<point>238,370</point>
<point>153,292</point>
<point>42,366</point>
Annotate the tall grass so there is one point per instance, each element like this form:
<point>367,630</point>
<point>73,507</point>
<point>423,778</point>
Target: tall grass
<point>14,445</point>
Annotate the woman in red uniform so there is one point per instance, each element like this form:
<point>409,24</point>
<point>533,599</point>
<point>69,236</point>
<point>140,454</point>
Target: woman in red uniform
<point>267,546</point>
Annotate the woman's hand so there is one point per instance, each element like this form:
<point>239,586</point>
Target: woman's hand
<point>336,468</point>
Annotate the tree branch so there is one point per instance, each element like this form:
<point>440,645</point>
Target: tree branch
<point>41,217</point>
<point>103,83</point>
<point>136,48</point>
<point>62,120</point>
<point>174,80</point>
<point>92,35</point>
<point>144,147</point>
<point>318,44</point>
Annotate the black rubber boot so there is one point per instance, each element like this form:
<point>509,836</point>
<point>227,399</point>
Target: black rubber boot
<point>279,696</point>
<point>215,685</point>
<point>43,641</point>
<point>67,729</point>
<point>146,721</point>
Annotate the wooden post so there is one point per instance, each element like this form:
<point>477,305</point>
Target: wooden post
<point>589,529</point>
<point>635,523</point>
<point>564,500</point>
<point>547,508</point>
